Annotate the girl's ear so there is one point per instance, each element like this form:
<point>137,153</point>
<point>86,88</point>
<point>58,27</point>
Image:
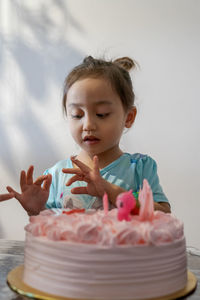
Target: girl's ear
<point>130,118</point>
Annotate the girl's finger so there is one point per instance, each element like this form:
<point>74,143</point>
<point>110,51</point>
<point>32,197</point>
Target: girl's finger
<point>47,183</point>
<point>12,191</point>
<point>4,197</point>
<point>80,164</point>
<point>79,190</point>
<point>29,176</point>
<point>40,179</point>
<point>96,164</point>
<point>74,179</point>
<point>97,176</point>
<point>72,171</point>
<point>23,180</point>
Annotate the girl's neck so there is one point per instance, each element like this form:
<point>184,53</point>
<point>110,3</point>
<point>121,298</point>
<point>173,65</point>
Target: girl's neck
<point>105,158</point>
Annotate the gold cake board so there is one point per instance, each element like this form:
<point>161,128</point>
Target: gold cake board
<point>15,282</point>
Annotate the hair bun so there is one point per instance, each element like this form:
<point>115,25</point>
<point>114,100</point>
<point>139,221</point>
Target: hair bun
<point>125,63</point>
<point>89,59</point>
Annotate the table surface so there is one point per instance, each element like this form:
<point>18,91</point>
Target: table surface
<point>12,255</point>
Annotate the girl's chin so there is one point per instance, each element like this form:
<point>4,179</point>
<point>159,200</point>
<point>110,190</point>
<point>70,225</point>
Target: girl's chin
<point>95,150</point>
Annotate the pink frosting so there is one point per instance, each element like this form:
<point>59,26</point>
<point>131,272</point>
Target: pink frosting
<point>96,227</point>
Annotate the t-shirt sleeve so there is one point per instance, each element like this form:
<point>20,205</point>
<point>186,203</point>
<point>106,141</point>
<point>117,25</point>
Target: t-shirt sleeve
<point>146,167</point>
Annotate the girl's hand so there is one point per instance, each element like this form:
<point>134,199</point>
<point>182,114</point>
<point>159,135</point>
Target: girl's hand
<point>4,197</point>
<point>33,195</point>
<point>95,183</point>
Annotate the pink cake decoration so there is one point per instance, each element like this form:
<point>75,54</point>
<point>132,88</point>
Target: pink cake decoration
<point>105,203</point>
<point>125,203</point>
<point>146,212</point>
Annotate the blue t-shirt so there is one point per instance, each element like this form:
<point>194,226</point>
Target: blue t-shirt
<point>128,172</point>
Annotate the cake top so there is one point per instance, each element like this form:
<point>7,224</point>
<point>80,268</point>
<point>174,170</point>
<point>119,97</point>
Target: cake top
<point>133,222</point>
<point>124,225</point>
<point>94,227</point>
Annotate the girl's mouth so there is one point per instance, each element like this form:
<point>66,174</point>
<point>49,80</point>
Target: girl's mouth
<point>91,140</point>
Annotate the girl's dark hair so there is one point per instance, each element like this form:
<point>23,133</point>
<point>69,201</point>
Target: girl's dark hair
<point>116,72</point>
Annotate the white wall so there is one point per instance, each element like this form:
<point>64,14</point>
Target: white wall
<point>40,41</point>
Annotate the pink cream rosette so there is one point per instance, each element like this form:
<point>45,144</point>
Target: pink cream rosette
<point>38,224</point>
<point>89,233</point>
<point>69,235</point>
<point>128,236</point>
<point>165,228</point>
<point>54,232</point>
<point>160,236</point>
<point>47,212</point>
<point>170,224</point>
<point>62,228</point>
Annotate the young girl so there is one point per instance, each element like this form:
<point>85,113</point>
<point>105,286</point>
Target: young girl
<point>99,103</point>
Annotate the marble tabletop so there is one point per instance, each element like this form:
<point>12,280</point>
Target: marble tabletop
<point>12,255</point>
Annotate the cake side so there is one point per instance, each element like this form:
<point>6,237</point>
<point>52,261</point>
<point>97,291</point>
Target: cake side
<point>94,256</point>
<point>101,272</point>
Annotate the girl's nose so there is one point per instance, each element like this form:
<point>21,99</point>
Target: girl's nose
<point>89,123</point>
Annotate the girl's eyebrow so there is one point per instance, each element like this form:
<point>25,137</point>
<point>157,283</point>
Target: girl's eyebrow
<point>101,102</point>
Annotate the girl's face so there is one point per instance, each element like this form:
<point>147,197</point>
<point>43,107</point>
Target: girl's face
<point>96,116</point>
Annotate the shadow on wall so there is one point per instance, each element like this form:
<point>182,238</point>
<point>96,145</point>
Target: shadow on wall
<point>53,55</point>
<point>37,43</point>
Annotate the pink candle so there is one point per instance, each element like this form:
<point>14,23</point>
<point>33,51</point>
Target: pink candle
<point>105,203</point>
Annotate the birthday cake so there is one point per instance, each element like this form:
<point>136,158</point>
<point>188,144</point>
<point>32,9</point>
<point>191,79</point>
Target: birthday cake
<point>110,255</point>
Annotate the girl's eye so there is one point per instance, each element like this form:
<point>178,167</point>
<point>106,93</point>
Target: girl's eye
<point>76,116</point>
<point>102,116</point>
